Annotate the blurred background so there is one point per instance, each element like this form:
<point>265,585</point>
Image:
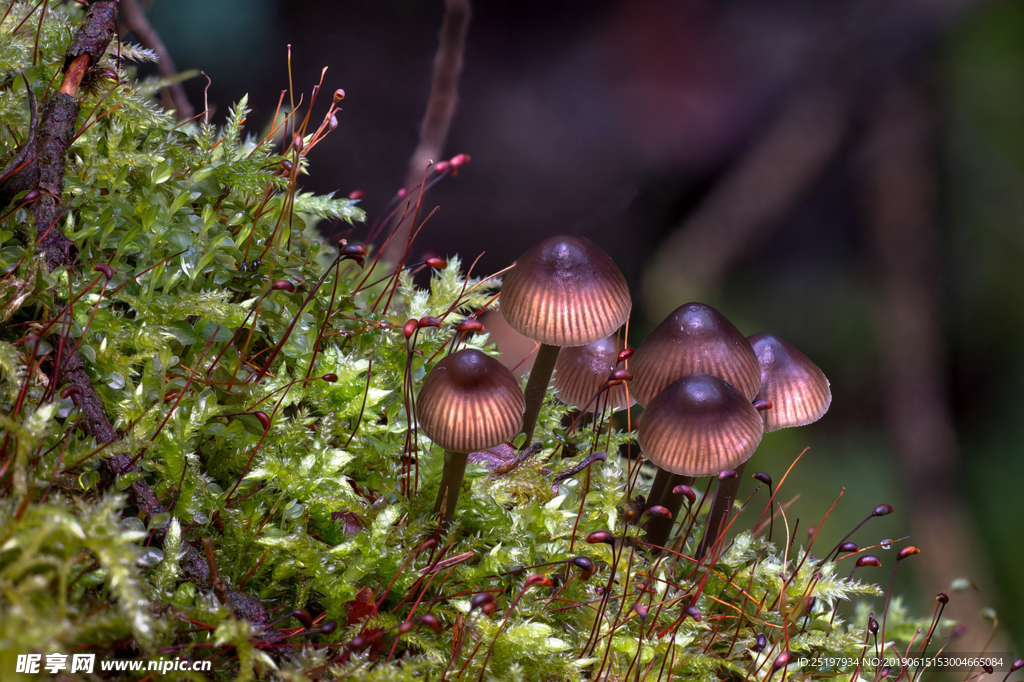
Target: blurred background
<point>847,175</point>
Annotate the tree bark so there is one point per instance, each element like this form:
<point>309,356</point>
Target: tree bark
<point>55,134</point>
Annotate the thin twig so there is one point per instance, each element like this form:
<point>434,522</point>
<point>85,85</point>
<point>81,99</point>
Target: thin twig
<point>437,120</point>
<point>219,588</point>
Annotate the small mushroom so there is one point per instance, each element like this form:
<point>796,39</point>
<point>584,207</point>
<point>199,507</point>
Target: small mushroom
<point>695,338</point>
<point>468,402</point>
<point>698,426</point>
<point>794,392</point>
<point>797,389</point>
<point>564,291</point>
<point>581,372</point>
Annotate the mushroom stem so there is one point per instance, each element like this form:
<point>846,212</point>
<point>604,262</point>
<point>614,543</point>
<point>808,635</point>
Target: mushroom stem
<point>659,528</point>
<point>451,483</point>
<point>537,386</point>
<point>725,496</point>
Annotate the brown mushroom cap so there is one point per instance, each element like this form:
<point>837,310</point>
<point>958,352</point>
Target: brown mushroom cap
<point>694,338</point>
<point>581,371</point>
<point>698,426</point>
<point>795,386</point>
<point>565,291</point>
<point>469,402</point>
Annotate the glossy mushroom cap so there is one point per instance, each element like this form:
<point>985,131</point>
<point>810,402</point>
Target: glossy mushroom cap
<point>581,371</point>
<point>698,426</point>
<point>469,402</point>
<point>694,338</point>
<point>797,389</point>
<point>565,291</point>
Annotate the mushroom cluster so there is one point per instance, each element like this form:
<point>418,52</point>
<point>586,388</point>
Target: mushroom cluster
<point>709,392</point>
<point>703,384</point>
<point>563,292</point>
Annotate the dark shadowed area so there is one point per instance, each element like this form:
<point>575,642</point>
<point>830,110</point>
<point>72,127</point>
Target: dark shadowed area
<point>847,175</point>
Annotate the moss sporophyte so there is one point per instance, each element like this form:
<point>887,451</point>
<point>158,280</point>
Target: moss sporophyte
<point>228,437</point>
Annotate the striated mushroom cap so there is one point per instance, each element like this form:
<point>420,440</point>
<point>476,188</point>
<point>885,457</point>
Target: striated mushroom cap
<point>565,291</point>
<point>581,371</point>
<point>698,426</point>
<point>795,386</point>
<point>470,402</point>
<point>694,338</point>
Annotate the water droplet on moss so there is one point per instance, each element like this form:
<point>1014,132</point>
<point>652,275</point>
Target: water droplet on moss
<point>151,556</point>
<point>132,523</point>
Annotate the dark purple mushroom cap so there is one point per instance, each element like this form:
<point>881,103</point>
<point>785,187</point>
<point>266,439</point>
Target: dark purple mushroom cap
<point>565,291</point>
<point>694,338</point>
<point>470,402</point>
<point>580,372</point>
<point>698,426</point>
<point>797,389</point>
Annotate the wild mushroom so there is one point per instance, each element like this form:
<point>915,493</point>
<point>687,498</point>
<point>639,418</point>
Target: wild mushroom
<point>793,392</point>
<point>582,373</point>
<point>468,402</point>
<point>694,338</point>
<point>697,426</point>
<point>564,291</point>
<point>797,389</point>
